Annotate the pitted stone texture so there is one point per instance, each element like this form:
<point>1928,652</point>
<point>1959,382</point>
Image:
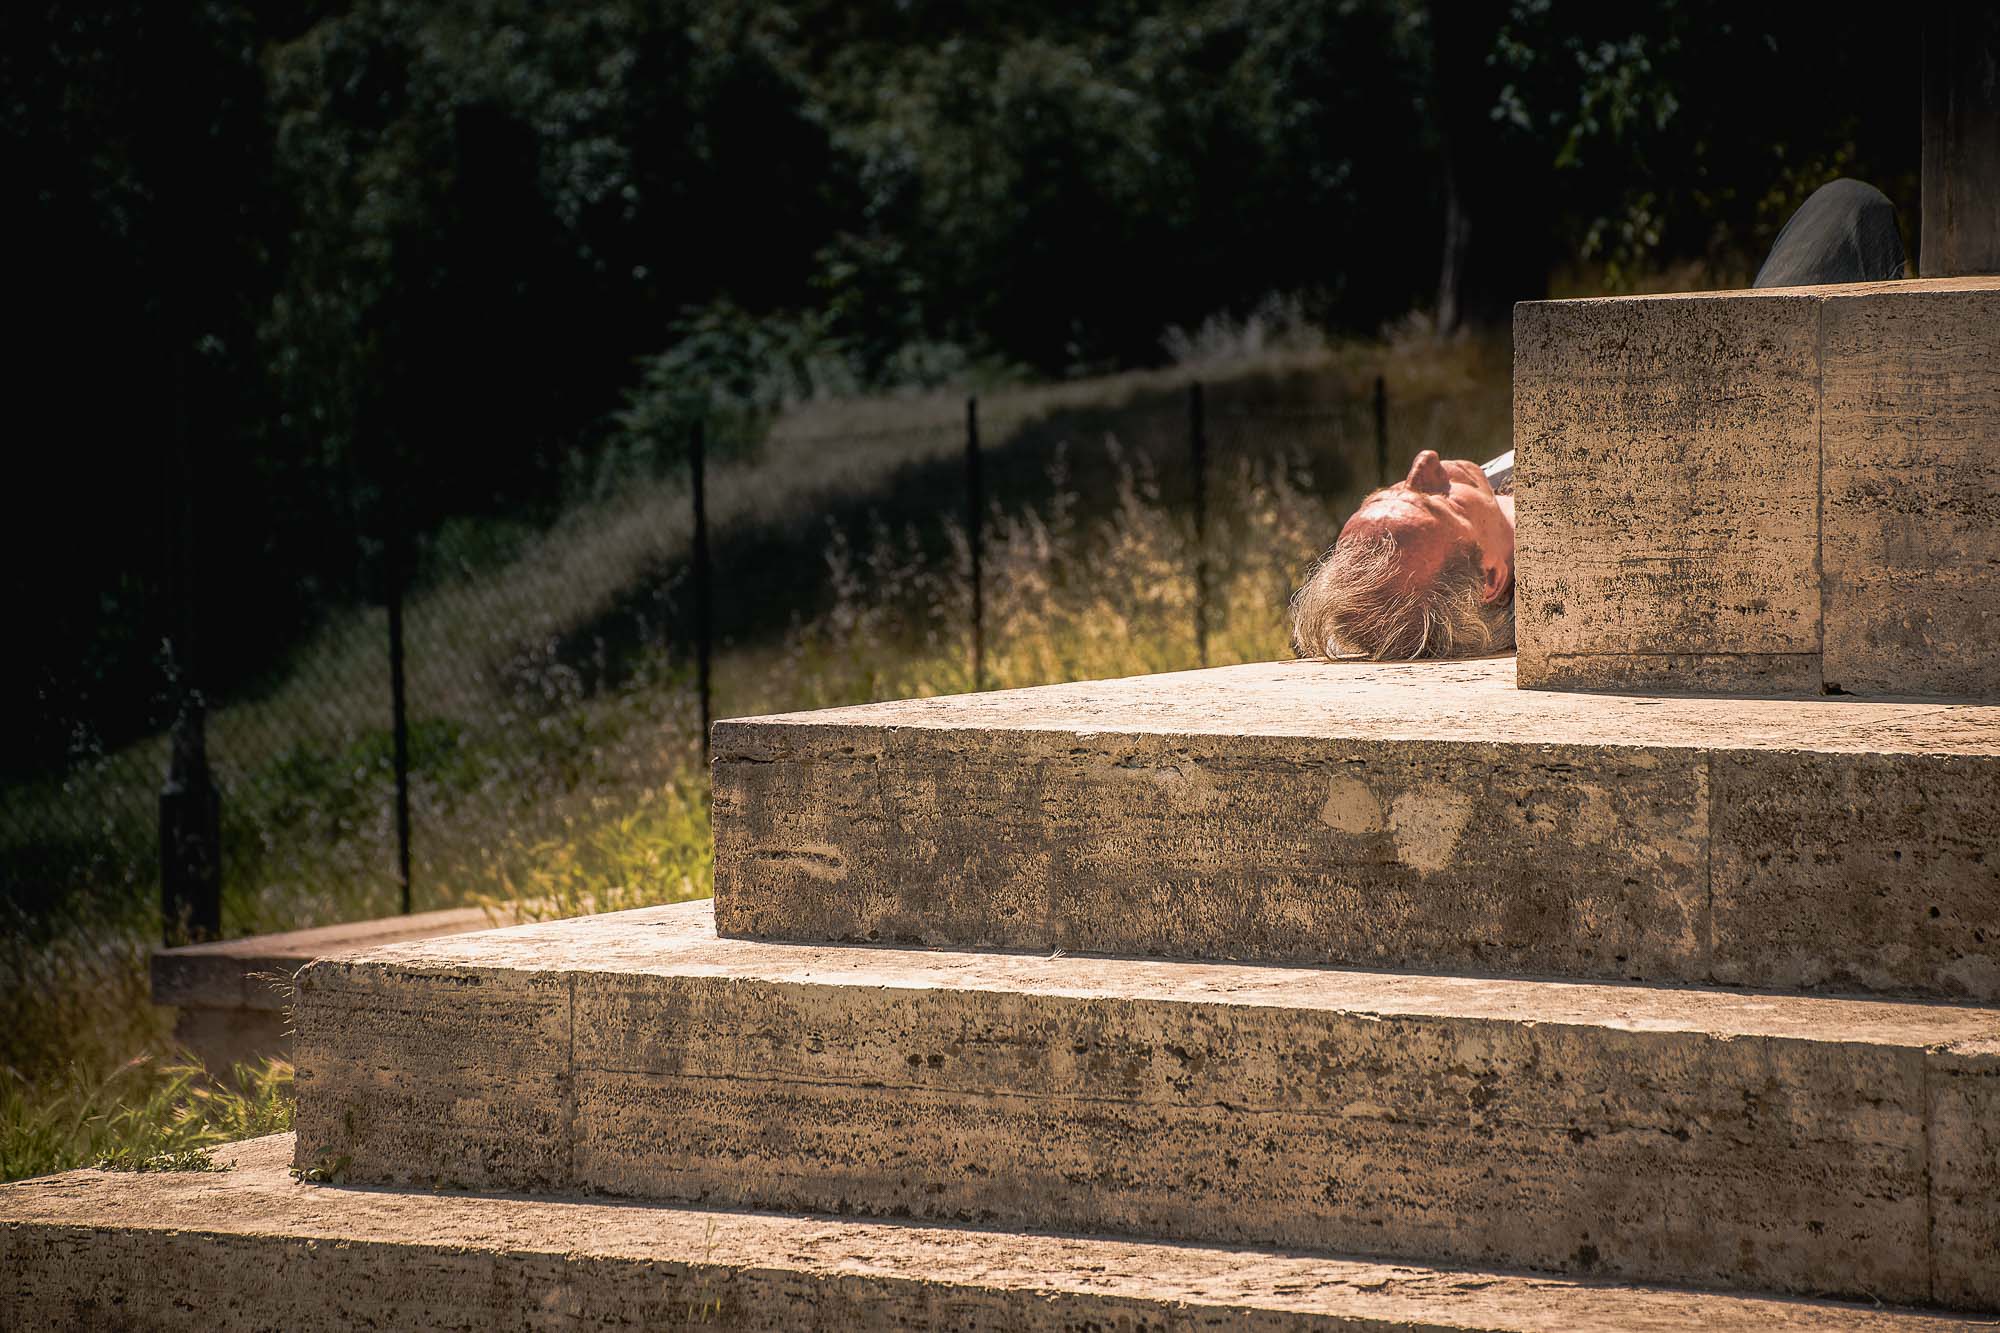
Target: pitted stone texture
<point>1911,492</point>
<point>1856,872</point>
<point>1416,815</point>
<point>481,1114</point>
<point>1964,1081</point>
<point>1760,1141</point>
<point>251,1249</point>
<point>1666,488</point>
<point>1767,492</point>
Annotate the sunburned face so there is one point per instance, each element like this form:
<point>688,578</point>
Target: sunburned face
<point>1438,508</point>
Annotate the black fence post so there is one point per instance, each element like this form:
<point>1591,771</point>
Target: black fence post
<point>190,836</point>
<point>975,507</point>
<point>703,629</point>
<point>1198,448</point>
<point>399,712</point>
<point>1381,431</point>
<point>190,805</point>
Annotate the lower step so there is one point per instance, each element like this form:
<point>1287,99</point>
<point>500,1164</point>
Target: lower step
<point>1802,1144</point>
<point>230,995</point>
<point>250,1248</point>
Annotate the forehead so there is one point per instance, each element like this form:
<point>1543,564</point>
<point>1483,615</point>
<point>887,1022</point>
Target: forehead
<point>1397,499</point>
<point>1422,537</point>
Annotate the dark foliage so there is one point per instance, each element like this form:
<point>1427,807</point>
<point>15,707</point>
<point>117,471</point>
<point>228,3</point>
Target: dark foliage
<point>350,268</point>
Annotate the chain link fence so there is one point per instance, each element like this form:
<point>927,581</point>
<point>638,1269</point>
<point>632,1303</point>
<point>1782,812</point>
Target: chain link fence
<point>551,673</point>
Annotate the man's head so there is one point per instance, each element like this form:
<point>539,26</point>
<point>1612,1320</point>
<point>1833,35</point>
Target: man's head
<point>1425,568</point>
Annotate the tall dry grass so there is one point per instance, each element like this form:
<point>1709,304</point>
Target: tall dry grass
<point>544,774</point>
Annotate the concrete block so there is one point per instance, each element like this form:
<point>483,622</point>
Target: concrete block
<point>220,1039</point>
<point>1415,815</point>
<point>475,1113</point>
<point>1855,871</point>
<point>1911,490</point>
<point>1758,1141</point>
<point>251,1249</point>
<point>1763,492</point>
<point>1665,489</point>
<point>1964,1082</point>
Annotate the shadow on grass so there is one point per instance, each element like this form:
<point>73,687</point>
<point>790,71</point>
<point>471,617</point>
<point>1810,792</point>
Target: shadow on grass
<point>771,573</point>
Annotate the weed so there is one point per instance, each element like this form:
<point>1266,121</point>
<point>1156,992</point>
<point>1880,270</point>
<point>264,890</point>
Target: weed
<point>325,1171</point>
<point>182,1159</point>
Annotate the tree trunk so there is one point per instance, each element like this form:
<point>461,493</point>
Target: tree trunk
<point>1498,214</point>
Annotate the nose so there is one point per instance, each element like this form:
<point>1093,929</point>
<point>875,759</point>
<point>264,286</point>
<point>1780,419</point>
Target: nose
<point>1427,473</point>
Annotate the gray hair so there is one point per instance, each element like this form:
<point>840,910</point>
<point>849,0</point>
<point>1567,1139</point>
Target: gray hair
<point>1351,606</point>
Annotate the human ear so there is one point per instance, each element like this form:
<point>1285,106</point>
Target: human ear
<point>1493,582</point>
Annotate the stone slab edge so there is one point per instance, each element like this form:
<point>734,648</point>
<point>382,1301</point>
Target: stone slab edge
<point>253,971</point>
<point>1469,700</point>
<point>548,1057</point>
<point>250,1248</point>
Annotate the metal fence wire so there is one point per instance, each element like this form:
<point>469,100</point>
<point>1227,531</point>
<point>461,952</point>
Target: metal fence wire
<point>516,688</point>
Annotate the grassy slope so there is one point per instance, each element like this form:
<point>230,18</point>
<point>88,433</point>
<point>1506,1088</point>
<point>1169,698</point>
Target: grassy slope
<point>555,738</point>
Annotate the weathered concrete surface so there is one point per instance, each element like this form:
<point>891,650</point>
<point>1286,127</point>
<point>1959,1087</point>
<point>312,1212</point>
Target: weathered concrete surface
<point>1910,492</point>
<point>1420,815</point>
<point>1779,491</point>
<point>231,994</point>
<point>1856,872</point>
<point>1964,1086</point>
<point>253,1249</point>
<point>1666,502</point>
<point>489,1105</point>
<point>1811,1145</point>
<point>251,972</point>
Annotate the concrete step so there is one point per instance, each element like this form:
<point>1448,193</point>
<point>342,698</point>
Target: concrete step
<point>230,995</point>
<point>251,1248</point>
<point>1768,491</point>
<point>1798,1144</point>
<point>1415,815</point>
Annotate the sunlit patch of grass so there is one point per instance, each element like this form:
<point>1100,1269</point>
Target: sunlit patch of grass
<point>1065,599</point>
<point>142,1116</point>
<point>657,851</point>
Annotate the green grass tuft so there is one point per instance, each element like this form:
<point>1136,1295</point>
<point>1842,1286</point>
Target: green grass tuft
<point>143,1116</point>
